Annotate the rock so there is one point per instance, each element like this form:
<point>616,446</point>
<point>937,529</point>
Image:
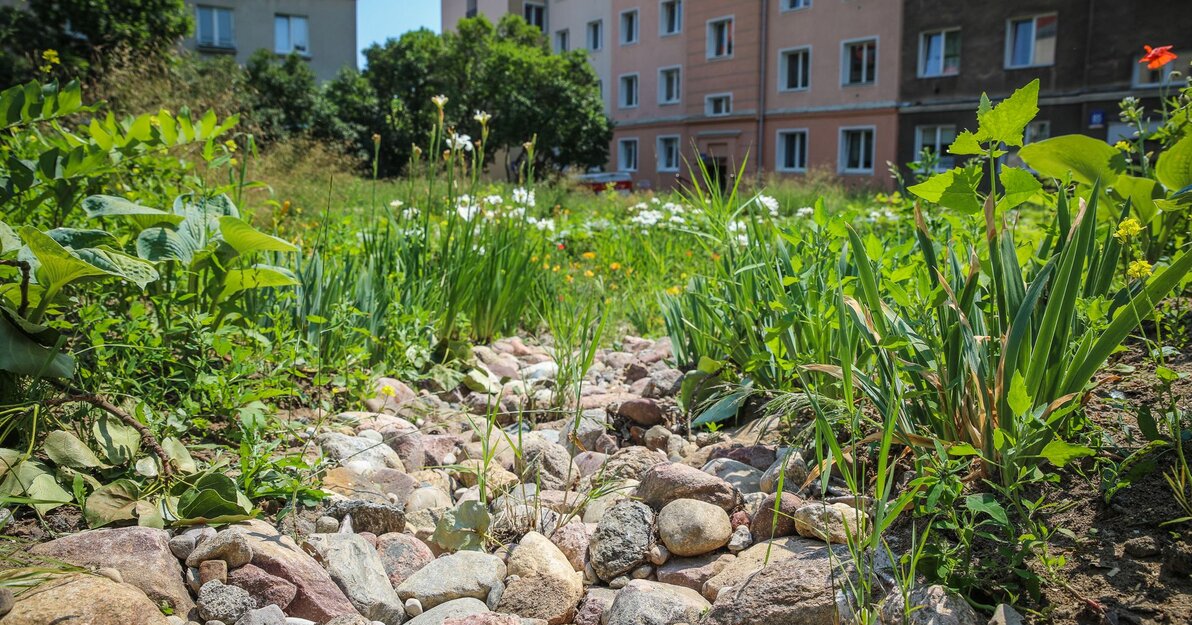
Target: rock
<point>693,572</point>
<point>344,449</point>
<point>1004,614</point>
<point>656,438</point>
<point>267,589</point>
<point>213,569</point>
<point>643,602</point>
<point>630,463</point>
<point>930,605</point>
<point>221,602</point>
<point>230,545</point>
<point>413,607</point>
<point>546,464</point>
<point>792,480</point>
<point>402,555</point>
<point>355,567</point>
<point>317,598</point>
<point>642,411</point>
<point>454,608</point>
<point>489,618</point>
<point>141,554</point>
<point>497,478</point>
<point>427,498</point>
<point>763,525</point>
<point>664,383</point>
<point>326,525</point>
<point>268,615</point>
<point>573,539</point>
<point>543,584</point>
<point>658,554</point>
<point>7,600</point>
<point>369,517</point>
<point>753,560</point>
<point>799,588</point>
<point>664,483</point>
<point>691,528</point>
<point>466,574</point>
<point>88,599</point>
<point>594,604</point>
<point>392,396</point>
<point>182,544</point>
<point>346,619</point>
<point>740,540</point>
<point>833,523</point>
<point>622,539</point>
<point>111,573</point>
<point>741,476</point>
<point>1142,547</point>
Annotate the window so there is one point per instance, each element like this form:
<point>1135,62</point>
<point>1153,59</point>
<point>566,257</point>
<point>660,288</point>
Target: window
<point>669,85</point>
<point>794,5</point>
<point>792,150</point>
<point>718,104</point>
<point>629,91</point>
<point>1145,77</point>
<point>860,62</point>
<point>472,10</point>
<point>1030,42</point>
<point>856,150</point>
<point>936,140</point>
<point>291,34</point>
<point>629,27</point>
<point>720,38</point>
<point>794,69</point>
<point>1036,131</point>
<point>668,153</point>
<point>562,40</point>
<point>939,54</point>
<point>535,14</point>
<point>596,35</point>
<point>214,27</point>
<point>670,17</point>
<point>627,155</point>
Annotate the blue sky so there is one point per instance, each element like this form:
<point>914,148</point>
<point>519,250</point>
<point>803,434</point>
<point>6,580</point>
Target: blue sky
<point>378,20</point>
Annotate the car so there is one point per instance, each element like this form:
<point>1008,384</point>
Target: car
<point>603,181</point>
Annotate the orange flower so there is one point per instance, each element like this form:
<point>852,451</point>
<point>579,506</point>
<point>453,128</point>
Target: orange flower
<point>1157,57</point>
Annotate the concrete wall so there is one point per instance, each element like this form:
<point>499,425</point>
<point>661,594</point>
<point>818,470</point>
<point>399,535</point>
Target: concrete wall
<point>574,16</point>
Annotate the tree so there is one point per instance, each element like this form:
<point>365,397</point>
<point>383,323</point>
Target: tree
<point>85,33</point>
<point>285,94</point>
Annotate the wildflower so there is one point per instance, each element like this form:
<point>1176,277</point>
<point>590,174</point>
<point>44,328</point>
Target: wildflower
<point>459,142</point>
<point>768,203</point>
<point>376,138</point>
<point>51,57</point>
<point>231,145</point>
<point>647,218</point>
<point>806,211</point>
<point>1123,145</point>
<point>1157,57</point>
<point>1139,269</point>
<point>396,203</point>
<point>589,255</point>
<point>409,213</point>
<point>569,278</point>
<point>614,266</point>
<point>589,274</point>
<point>1127,229</point>
<point>482,118</point>
<point>674,290</point>
<point>493,200</point>
<point>416,151</point>
<point>524,197</point>
<point>388,391</point>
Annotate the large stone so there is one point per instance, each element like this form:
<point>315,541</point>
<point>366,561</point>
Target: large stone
<point>834,523</point>
<point>221,602</point>
<point>693,572</point>
<point>630,463</point>
<point>496,478</point>
<point>543,583</point>
<point>742,476</point>
<point>269,615</point>
<point>230,545</point>
<point>456,576</point>
<point>351,449</point>
<point>664,483</point>
<point>84,599</point>
<point>141,554</point>
<point>753,559</point>
<point>802,588</point>
<point>450,609</point>
<point>642,411</point>
<point>594,604</point>
<point>691,528</point>
<point>621,540</point>
<point>643,602</point>
<point>402,555</point>
<point>546,464</point>
<point>763,526</point>
<point>356,568</point>
<point>929,605</point>
<point>375,518</point>
<point>393,397</point>
<point>573,540</point>
<point>317,597</point>
<point>792,478</point>
<point>267,589</point>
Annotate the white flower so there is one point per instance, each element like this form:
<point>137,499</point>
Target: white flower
<point>806,211</point>
<point>677,219</point>
<point>459,142</point>
<point>467,211</point>
<point>523,197</point>
<point>409,213</point>
<point>736,226</point>
<point>493,200</point>
<point>517,212</point>
<point>396,203</point>
<point>743,239</point>
<point>655,200</point>
<point>647,218</point>
<point>482,118</point>
<point>541,224</point>
<point>439,100</point>
<point>769,204</point>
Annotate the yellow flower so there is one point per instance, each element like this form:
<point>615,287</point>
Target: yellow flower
<point>568,278</point>
<point>555,269</point>
<point>1123,146</point>
<point>589,274</point>
<point>1139,269</point>
<point>1127,229</point>
<point>589,255</point>
<point>614,266</point>
<point>674,290</point>
<point>388,391</point>
<point>231,145</point>
<point>51,57</point>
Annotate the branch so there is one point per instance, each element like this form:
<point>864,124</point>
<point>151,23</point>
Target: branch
<point>25,270</point>
<point>147,438</point>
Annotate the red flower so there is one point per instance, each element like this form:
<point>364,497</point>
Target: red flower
<point>560,246</point>
<point>1157,57</point>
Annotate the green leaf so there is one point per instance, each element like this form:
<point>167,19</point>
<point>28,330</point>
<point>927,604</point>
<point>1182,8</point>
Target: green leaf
<point>963,449</point>
<point>1147,424</point>
<point>256,277</point>
<point>57,266</point>
<point>179,454</point>
<point>98,206</point>
<point>79,238</point>
<point>23,354</point>
<point>955,189</point>
<point>119,443</point>
<point>965,144</point>
<point>245,239</point>
<point>1174,167</point>
<point>1086,158</point>
<point>1007,121</point>
<point>985,503</point>
<point>1018,187</point>
<point>725,409</point>
<point>1060,453</point>
<point>112,503</point>
<point>1017,398</point>
<point>9,241</point>
<point>1140,192</point>
<point>66,450</point>
<point>462,527</point>
<point>34,480</point>
<point>212,498</point>
<point>160,244</point>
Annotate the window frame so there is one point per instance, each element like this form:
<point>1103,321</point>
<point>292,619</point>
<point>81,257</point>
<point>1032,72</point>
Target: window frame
<point>662,32</point>
<point>637,90</point>
<point>564,36</point>
<point>1165,73</point>
<point>783,69</point>
<point>658,152</point>
<point>786,6</point>
<point>215,44</point>
<point>940,150</point>
<point>541,6</point>
<point>846,62</point>
<point>599,39</point>
<point>662,101</point>
<point>708,47</point>
<point>780,151</point>
<point>922,59</point>
<point>842,160</point>
<point>621,143</point>
<point>290,18</point>
<point>1009,42</point>
<point>715,96</point>
<point>637,27</point>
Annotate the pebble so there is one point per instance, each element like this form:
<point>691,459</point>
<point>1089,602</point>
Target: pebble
<point>740,540</point>
<point>413,607</point>
<point>213,569</point>
<point>111,573</point>
<point>326,525</point>
<point>230,545</point>
<point>182,544</point>
<point>7,600</point>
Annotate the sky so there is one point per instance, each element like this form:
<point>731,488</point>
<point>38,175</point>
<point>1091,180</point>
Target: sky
<point>378,20</point>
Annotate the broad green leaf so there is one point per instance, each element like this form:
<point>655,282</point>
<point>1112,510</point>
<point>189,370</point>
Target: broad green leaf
<point>34,480</point>
<point>112,206</point>
<point>112,503</point>
<point>245,239</point>
<point>1018,187</point>
<point>955,189</point>
<point>56,265</point>
<point>724,409</point>
<point>1086,158</point>
<point>179,454</point>
<point>1017,398</point>
<point>161,244</point>
<point>149,514</point>
<point>119,443</point>
<point>1174,167</point>
<point>66,450</point>
<point>138,271</point>
<point>462,527</point>
<point>1007,121</point>
<point>78,239</point>
<point>963,449</point>
<point>21,353</point>
<point>1140,192</point>
<point>9,241</point>
<point>987,504</point>
<point>212,496</point>
<point>1060,453</point>
<point>965,144</point>
<point>256,277</point>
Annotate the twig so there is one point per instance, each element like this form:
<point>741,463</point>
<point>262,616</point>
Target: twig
<point>147,438</point>
<point>25,270</point>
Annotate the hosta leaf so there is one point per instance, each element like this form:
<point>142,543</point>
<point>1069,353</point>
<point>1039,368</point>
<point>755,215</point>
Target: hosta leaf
<point>1086,158</point>
<point>212,496</point>
<point>112,503</point>
<point>56,266</point>
<point>256,277</point>
<point>245,239</point>
<point>213,208</point>
<point>78,239</point>
<point>112,206</point>
<point>161,244</point>
<point>9,241</point>
<point>66,450</point>
<point>21,353</point>
<point>131,268</point>
<point>955,189</point>
<point>119,443</point>
<point>1174,168</point>
<point>1007,121</point>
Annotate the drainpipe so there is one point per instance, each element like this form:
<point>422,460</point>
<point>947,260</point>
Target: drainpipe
<point>761,88</point>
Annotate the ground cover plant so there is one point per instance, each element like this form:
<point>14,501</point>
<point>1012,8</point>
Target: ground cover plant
<point>915,402</point>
